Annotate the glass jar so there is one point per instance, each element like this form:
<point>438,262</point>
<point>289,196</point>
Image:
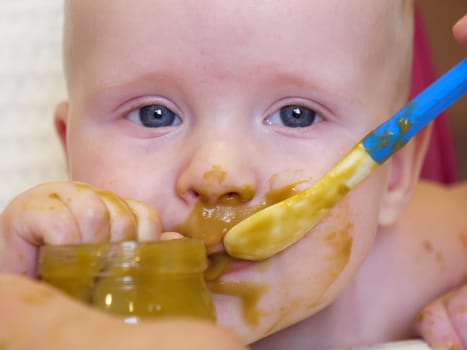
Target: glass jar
<point>135,280</point>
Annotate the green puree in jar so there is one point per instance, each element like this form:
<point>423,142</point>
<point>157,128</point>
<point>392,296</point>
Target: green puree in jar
<point>135,280</point>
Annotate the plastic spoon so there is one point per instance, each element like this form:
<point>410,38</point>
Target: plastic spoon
<point>275,228</point>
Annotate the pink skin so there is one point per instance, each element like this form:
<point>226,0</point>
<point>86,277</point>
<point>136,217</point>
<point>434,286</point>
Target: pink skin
<point>221,70</point>
<point>226,71</point>
<point>460,30</point>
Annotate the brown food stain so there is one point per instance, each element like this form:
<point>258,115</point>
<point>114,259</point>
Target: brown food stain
<point>210,222</point>
<point>463,239</point>
<point>54,195</point>
<point>339,243</point>
<point>219,264</point>
<point>428,246</point>
<point>249,294</point>
<point>216,174</point>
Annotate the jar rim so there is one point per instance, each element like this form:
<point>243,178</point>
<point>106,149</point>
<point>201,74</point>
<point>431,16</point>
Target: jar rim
<point>184,255</point>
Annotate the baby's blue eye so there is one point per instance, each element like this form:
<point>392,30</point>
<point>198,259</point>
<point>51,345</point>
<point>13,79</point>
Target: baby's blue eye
<point>154,116</point>
<point>297,116</point>
<point>293,116</point>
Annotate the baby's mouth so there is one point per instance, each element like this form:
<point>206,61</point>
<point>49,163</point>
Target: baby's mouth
<point>220,264</point>
<point>210,222</point>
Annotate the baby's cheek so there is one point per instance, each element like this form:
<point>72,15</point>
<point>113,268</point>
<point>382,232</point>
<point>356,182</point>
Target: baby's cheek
<point>309,268</point>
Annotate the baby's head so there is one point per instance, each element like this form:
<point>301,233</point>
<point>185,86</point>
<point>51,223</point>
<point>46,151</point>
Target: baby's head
<point>209,111</point>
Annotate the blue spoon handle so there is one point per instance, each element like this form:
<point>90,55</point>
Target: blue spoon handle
<point>393,134</point>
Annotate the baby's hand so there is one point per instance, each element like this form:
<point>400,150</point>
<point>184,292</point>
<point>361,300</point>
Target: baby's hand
<point>69,213</point>
<point>443,323</point>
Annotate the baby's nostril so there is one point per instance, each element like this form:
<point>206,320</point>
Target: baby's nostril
<point>193,196</point>
<point>230,198</point>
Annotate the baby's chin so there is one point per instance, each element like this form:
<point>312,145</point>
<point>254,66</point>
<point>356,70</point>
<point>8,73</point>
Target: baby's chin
<point>255,307</point>
<point>231,315</point>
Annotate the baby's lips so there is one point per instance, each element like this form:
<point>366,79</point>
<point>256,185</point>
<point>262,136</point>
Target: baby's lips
<point>211,247</point>
<point>214,248</point>
<point>165,236</point>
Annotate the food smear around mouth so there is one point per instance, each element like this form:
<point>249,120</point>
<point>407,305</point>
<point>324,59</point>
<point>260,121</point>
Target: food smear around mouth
<point>210,222</point>
<point>249,294</point>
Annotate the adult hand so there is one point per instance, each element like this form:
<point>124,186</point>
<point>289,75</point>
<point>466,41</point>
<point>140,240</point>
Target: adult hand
<point>35,316</point>
<point>460,30</point>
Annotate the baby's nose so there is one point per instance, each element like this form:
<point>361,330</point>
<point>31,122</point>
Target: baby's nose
<point>217,174</point>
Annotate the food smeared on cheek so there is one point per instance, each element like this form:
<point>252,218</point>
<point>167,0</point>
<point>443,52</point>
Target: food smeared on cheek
<point>336,241</point>
<point>339,244</point>
<point>249,294</point>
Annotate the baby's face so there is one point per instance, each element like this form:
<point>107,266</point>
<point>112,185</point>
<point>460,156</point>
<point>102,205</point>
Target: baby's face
<point>209,112</point>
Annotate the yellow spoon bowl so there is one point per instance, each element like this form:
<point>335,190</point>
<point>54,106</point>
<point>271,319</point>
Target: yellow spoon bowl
<point>284,223</point>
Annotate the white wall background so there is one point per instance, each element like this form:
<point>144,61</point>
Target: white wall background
<point>31,84</point>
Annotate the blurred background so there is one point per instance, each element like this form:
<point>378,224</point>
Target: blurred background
<point>31,83</point>
<point>438,18</point>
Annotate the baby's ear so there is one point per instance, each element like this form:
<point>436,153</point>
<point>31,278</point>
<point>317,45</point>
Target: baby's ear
<point>60,121</point>
<point>405,167</point>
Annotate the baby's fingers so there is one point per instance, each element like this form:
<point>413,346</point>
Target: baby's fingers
<point>148,221</point>
<point>443,323</point>
<point>456,306</point>
<point>122,220</point>
<point>101,215</point>
<point>33,218</point>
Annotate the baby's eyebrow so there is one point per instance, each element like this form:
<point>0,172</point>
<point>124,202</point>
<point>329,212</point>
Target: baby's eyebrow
<point>112,92</point>
<point>130,82</point>
<point>120,88</point>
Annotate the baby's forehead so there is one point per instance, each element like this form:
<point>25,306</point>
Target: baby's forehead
<point>111,36</point>
<point>318,22</point>
<point>244,12</point>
